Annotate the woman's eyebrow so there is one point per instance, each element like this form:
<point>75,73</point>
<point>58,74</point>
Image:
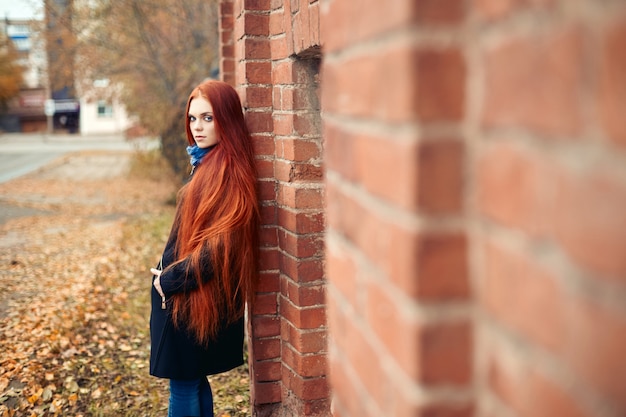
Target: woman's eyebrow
<point>206,113</point>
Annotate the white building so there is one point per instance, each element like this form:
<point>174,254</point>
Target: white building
<point>101,112</point>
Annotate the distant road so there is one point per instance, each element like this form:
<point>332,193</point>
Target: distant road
<point>24,153</point>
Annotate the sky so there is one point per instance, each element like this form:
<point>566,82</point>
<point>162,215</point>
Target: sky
<point>20,9</point>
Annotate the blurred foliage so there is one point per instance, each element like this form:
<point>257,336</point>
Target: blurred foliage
<point>155,51</point>
<point>10,71</point>
<point>60,38</point>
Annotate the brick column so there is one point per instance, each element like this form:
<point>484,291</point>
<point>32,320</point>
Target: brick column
<point>279,92</point>
<point>394,78</point>
<point>298,171</point>
<point>226,44</point>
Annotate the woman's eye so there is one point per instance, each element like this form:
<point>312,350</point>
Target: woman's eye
<point>192,119</point>
<point>208,118</point>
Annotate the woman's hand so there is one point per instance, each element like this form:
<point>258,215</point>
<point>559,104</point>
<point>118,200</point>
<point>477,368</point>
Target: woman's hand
<point>157,281</point>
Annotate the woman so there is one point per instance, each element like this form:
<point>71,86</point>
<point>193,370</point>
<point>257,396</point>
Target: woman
<point>208,269</point>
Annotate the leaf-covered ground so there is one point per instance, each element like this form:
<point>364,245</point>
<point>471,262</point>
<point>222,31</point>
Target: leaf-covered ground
<point>76,241</point>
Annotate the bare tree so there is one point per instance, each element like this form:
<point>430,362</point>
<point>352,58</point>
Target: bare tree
<point>156,50</point>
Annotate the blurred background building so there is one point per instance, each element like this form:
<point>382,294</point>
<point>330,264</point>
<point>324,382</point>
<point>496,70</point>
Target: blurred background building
<point>45,43</point>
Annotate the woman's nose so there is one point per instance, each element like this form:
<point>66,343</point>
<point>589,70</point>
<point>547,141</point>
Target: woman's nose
<point>196,125</point>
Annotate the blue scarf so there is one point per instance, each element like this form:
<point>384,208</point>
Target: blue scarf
<point>196,154</point>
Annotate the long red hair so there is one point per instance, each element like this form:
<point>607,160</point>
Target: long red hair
<point>217,220</point>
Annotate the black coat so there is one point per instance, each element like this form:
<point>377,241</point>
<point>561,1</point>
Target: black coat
<point>174,353</point>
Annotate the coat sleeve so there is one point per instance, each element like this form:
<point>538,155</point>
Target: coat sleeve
<point>176,279</point>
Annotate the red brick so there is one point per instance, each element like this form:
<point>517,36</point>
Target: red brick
<point>266,349</point>
<point>282,72</point>
<point>398,332</point>
<point>496,9</point>
<point>283,126</point>
<point>260,73</point>
<point>339,155</point>
<point>256,4</point>
<point>359,358</point>
<point>527,391</point>
<point>267,371</point>
<point>308,365</point>
<point>440,12</point>
<point>524,297</point>
<point>307,124</point>
<point>266,190</point>
<point>314,24</point>
<point>259,121</point>
<point>265,326</point>
<point>440,177</point>
<point>548,104</point>
<point>287,171</point>
<point>304,340</point>
<point>348,89</point>
<point>266,392</point>
<point>226,23</point>
<point>301,246</point>
<point>345,387</point>
<point>265,304</point>
<point>301,198</point>
<point>446,353</point>
<point>258,97</point>
<point>440,84</point>
<point>299,150</point>
<point>263,145</point>
<point>393,159</point>
<point>301,295</point>
<point>256,48</point>
<point>277,22</point>
<point>268,282</point>
<point>305,388</point>
<point>268,215</point>
<point>442,267</point>
<point>595,347</point>
<point>591,221</point>
<point>265,168</point>
<point>345,22</point>
<point>341,270</point>
<point>228,65</point>
<point>516,188</point>
<point>446,409</point>
<point>302,271</point>
<point>268,259</point>
<point>298,222</point>
<point>303,317</point>
<point>256,24</point>
<point>268,237</point>
<point>612,82</point>
<point>389,245</point>
<point>226,7</point>
<point>281,48</point>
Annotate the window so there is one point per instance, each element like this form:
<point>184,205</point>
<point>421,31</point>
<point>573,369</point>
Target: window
<point>104,109</point>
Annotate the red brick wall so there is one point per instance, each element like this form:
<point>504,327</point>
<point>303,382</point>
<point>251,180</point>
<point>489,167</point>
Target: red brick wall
<point>548,173</point>
<point>462,224</point>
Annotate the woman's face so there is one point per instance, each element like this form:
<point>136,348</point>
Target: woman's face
<point>201,124</point>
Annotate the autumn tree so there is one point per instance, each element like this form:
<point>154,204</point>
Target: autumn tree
<point>61,46</point>
<point>156,50</point>
<point>10,71</point>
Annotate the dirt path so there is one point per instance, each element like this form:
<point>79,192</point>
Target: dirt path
<point>76,239</point>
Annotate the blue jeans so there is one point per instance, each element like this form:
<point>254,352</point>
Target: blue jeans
<point>190,398</point>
